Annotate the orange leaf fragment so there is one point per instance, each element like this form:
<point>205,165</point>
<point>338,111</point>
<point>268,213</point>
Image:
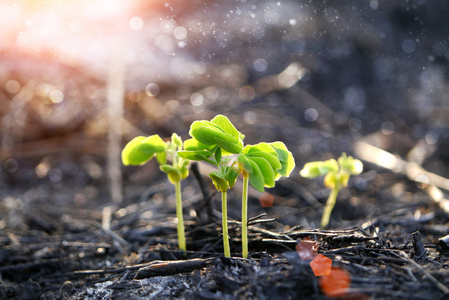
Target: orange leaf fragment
<point>321,265</point>
<point>307,249</point>
<point>266,200</point>
<point>336,283</point>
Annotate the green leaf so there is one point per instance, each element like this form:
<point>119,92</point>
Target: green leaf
<point>199,155</point>
<point>184,170</point>
<point>229,144</point>
<point>311,170</point>
<point>176,139</point>
<point>132,156</point>
<point>217,154</point>
<point>173,174</point>
<point>152,144</point>
<point>266,169</point>
<point>224,123</point>
<point>272,159</point>
<point>211,136</point>
<point>350,165</point>
<point>161,158</point>
<point>232,176</point>
<point>319,168</point>
<point>263,147</point>
<point>327,166</point>
<point>331,180</point>
<point>168,168</point>
<point>205,132</point>
<point>256,178</point>
<point>209,133</point>
<point>220,182</point>
<point>193,145</point>
<point>285,157</point>
<point>244,163</point>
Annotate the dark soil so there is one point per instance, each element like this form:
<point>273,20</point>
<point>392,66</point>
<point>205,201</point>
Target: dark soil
<point>57,241</point>
<point>62,237</point>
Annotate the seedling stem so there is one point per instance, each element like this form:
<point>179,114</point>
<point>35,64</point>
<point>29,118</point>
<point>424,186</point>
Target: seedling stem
<point>224,212</point>
<point>181,235</point>
<point>329,207</point>
<point>245,217</point>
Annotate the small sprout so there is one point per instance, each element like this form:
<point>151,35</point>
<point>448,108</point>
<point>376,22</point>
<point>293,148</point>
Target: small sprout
<point>261,165</point>
<point>212,142</point>
<point>336,176</point>
<point>141,150</point>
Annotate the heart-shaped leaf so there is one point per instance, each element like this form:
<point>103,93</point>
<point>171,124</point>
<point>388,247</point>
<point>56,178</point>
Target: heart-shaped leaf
<point>173,174</point>
<point>272,159</point>
<point>245,163</point>
<point>205,132</point>
<point>285,157</point>
<point>195,155</point>
<point>232,176</point>
<point>219,131</point>
<point>152,144</point>
<point>266,169</point>
<point>350,165</point>
<point>256,178</point>
<point>194,145</point>
<point>141,149</point>
<point>220,182</point>
<point>224,123</point>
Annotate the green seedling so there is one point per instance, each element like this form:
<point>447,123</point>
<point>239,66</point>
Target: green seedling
<point>213,142</point>
<point>141,150</point>
<point>336,176</point>
<point>261,165</point>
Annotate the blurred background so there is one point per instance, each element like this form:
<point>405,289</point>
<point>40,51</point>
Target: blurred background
<point>78,79</point>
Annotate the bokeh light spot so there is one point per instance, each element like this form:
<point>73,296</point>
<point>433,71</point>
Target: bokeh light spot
<point>321,265</point>
<point>260,65</point>
<point>167,26</point>
<point>311,115</point>
<point>307,249</point>
<point>336,283</point>
<point>247,93</point>
<point>266,200</point>
<point>55,175</point>
<point>355,124</point>
<point>11,165</point>
<point>42,169</point>
<point>56,96</point>
<point>196,99</point>
<point>180,33</point>
<point>12,86</point>
<point>152,89</point>
<point>136,23</point>
<point>408,46</point>
<point>431,138</point>
<point>387,128</point>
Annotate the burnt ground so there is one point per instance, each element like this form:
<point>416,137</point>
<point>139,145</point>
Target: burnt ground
<point>370,80</point>
<point>62,238</point>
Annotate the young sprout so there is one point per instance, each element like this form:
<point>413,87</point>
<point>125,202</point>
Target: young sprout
<point>142,149</point>
<point>336,177</point>
<point>213,141</point>
<point>261,165</point>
